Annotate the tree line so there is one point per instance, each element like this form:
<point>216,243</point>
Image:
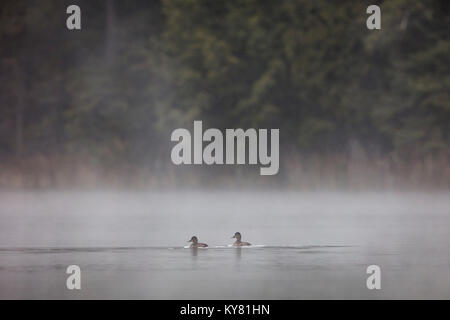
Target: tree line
<point>96,106</point>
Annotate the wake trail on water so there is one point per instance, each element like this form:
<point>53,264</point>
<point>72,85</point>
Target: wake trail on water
<point>42,250</point>
<point>263,246</point>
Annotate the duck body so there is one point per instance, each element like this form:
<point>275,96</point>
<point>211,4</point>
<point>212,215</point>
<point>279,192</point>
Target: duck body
<point>241,243</point>
<point>238,242</point>
<point>196,244</point>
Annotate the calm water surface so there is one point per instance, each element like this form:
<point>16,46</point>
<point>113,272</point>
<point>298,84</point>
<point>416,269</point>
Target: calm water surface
<point>308,245</point>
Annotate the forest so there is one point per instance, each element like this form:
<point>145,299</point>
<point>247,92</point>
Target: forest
<point>94,108</point>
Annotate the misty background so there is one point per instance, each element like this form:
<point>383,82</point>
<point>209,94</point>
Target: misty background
<point>86,176</point>
<point>94,108</point>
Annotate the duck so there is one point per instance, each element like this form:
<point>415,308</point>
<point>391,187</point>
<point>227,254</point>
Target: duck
<point>238,242</point>
<point>196,244</point>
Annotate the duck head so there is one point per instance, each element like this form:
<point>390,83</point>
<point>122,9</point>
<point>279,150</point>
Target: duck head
<point>194,239</point>
<point>237,236</point>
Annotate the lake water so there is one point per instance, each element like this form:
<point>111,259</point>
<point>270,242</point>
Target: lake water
<point>307,245</point>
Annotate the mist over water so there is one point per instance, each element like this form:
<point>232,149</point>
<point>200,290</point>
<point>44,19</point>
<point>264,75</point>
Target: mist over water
<point>308,245</point>
<point>347,108</point>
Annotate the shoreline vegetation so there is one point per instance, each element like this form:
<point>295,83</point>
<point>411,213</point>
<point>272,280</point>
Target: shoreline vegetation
<point>312,173</point>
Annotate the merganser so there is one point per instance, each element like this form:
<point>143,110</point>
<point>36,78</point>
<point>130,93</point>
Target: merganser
<point>238,242</point>
<point>196,244</point>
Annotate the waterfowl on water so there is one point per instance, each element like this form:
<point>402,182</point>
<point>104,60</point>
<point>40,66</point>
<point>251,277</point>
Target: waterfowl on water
<point>196,244</point>
<point>238,242</point>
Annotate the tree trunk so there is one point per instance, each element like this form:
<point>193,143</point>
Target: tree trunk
<point>110,47</point>
<point>20,92</point>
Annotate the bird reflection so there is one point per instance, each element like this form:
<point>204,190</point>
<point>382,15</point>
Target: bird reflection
<point>238,253</point>
<point>194,253</point>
